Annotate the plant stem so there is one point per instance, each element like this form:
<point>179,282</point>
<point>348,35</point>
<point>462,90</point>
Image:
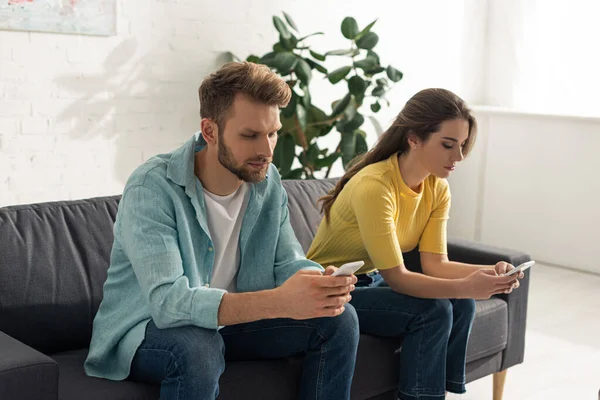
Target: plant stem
<point>337,150</point>
<point>301,135</point>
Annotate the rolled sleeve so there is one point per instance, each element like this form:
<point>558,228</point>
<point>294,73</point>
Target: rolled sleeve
<point>148,235</point>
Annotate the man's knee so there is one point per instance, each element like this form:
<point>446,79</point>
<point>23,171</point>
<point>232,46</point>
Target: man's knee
<point>345,326</point>
<point>198,351</point>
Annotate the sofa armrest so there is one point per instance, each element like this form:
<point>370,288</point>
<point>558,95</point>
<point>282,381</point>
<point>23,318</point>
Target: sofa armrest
<point>25,373</point>
<point>477,253</point>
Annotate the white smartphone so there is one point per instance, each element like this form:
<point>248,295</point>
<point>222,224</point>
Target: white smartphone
<point>521,267</point>
<point>348,268</point>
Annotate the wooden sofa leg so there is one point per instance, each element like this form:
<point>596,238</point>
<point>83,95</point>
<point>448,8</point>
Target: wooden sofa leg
<point>499,379</point>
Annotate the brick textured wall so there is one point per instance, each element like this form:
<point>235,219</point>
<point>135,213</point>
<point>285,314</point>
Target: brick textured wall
<point>79,113</point>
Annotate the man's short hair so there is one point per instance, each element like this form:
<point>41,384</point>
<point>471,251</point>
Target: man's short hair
<point>255,81</point>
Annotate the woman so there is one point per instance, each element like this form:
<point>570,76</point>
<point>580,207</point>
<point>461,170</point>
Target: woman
<point>392,199</point>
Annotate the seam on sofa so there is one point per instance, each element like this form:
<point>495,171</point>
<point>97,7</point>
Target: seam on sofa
<point>27,366</point>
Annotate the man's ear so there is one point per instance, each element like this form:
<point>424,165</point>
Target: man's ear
<point>210,130</point>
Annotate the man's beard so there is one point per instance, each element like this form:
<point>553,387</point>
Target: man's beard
<point>226,159</point>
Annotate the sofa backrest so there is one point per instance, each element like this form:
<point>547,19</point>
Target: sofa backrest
<point>302,203</point>
<point>53,262</point>
<point>54,258</point>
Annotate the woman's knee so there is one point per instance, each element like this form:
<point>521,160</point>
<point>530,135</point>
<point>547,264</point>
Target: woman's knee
<point>440,312</point>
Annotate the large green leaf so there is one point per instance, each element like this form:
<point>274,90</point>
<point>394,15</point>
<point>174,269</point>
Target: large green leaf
<point>317,66</point>
<point>338,74</point>
<point>374,71</point>
<point>349,28</point>
<point>357,86</point>
<point>365,31</point>
<point>344,52</point>
<point>288,43</point>
<point>351,109</point>
<point>317,123</point>
<point>345,126</point>
<point>372,54</point>
<point>268,59</point>
<point>378,91</point>
<point>393,74</point>
<point>341,105</point>
<point>368,41</point>
<point>301,114</point>
<point>294,174</point>
<point>253,59</point>
<point>310,156</point>
<point>367,63</point>
<point>303,71</point>
<point>290,109</point>
<point>361,142</point>
<point>326,161</point>
<point>290,21</point>
<point>287,124</point>
<point>317,56</point>
<point>281,28</point>
<point>285,62</point>
<point>348,147</point>
<point>284,154</point>
<point>306,100</point>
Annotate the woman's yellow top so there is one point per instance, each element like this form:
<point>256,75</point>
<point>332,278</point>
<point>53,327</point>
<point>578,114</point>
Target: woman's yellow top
<point>377,216</point>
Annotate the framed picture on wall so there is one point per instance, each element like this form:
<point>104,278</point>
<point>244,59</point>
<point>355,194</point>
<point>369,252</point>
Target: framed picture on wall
<point>84,17</point>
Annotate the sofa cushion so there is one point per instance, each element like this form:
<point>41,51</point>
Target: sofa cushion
<point>376,373</point>
<point>53,263</point>
<point>489,333</point>
<point>376,367</point>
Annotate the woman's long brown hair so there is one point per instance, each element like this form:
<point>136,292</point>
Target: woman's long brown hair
<point>422,115</point>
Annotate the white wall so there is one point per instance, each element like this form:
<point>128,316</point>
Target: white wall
<point>543,56</point>
<point>78,114</point>
<point>532,185</point>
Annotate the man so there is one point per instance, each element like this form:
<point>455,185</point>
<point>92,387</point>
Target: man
<point>205,266</point>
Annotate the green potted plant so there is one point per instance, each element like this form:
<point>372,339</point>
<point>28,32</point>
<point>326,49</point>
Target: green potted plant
<point>303,122</point>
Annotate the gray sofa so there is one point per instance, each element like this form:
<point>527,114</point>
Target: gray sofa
<point>53,262</point>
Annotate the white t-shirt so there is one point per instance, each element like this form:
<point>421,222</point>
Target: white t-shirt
<point>225,215</point>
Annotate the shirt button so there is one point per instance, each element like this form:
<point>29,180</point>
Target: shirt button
<point>206,285</point>
<point>210,249</point>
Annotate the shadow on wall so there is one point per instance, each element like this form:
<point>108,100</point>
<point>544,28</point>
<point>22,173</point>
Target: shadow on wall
<point>139,106</point>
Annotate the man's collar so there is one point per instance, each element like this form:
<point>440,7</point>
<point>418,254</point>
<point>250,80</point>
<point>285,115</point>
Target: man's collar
<point>181,166</point>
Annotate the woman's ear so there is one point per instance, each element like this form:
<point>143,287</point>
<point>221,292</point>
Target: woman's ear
<point>413,141</point>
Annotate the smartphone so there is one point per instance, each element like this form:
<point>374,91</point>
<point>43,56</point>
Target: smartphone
<point>521,267</point>
<point>348,268</point>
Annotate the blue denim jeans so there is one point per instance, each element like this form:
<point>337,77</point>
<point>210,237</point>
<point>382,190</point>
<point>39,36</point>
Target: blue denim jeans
<point>435,333</point>
<point>188,361</point>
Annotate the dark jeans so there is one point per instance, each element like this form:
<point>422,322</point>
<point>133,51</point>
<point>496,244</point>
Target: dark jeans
<point>188,361</point>
<point>435,332</point>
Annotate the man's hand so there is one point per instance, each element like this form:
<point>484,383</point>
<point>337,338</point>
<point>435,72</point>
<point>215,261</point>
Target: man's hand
<point>310,294</point>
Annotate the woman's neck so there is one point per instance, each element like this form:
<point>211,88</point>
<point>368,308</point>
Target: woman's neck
<point>413,173</point>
